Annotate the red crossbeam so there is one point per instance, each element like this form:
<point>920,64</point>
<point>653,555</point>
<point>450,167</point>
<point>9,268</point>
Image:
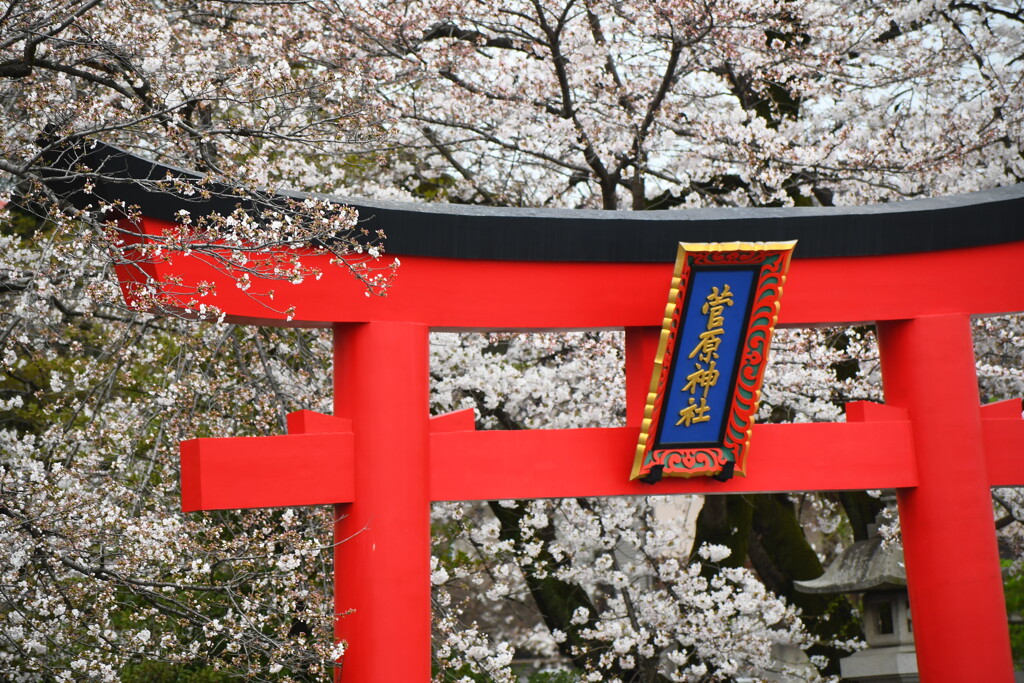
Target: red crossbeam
<point>312,465</point>
<point>874,450</point>
<point>593,462</point>
<point>1003,437</point>
<point>818,291</point>
<point>266,471</point>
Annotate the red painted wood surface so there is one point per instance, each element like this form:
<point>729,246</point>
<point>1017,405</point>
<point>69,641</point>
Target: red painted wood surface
<point>949,544</point>
<point>266,471</point>
<point>277,471</point>
<point>1003,437</point>
<point>382,551</point>
<point>561,463</point>
<point>309,421</point>
<point>467,294</point>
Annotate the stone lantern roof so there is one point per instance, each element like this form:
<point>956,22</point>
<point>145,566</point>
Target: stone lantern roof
<point>869,565</point>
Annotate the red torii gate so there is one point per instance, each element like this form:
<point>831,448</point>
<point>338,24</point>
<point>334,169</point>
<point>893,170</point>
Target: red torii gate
<point>918,270</point>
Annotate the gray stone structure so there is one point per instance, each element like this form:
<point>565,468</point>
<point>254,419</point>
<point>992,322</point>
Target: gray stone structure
<point>874,568</point>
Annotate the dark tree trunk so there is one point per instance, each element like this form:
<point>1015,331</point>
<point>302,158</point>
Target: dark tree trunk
<point>861,509</point>
<point>724,520</point>
<point>780,554</point>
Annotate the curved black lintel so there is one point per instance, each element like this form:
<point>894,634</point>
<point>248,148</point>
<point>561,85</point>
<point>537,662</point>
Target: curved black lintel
<point>475,232</point>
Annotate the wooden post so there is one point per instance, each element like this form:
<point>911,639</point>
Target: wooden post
<point>382,551</point>
<point>949,541</point>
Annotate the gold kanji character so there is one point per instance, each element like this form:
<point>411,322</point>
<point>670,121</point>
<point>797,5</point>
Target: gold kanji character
<point>715,305</point>
<point>708,345</point>
<point>695,412</point>
<point>701,377</point>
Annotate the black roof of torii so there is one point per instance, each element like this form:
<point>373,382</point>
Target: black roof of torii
<point>477,232</point>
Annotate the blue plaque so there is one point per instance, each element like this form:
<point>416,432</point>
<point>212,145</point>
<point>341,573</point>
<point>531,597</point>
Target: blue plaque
<point>723,305</point>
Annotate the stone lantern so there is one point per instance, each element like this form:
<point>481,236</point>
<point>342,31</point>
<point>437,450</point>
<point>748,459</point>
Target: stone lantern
<point>874,569</point>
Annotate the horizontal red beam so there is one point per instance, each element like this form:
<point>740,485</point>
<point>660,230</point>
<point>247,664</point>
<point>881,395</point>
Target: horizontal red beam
<point>566,463</point>
<point>1003,435</point>
<point>266,471</point>
<point>456,421</point>
<point>310,466</point>
<point>457,293</point>
<point>1004,451</point>
<point>873,451</point>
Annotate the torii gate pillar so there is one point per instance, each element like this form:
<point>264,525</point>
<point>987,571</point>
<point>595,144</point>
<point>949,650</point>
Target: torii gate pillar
<point>953,575</point>
<point>382,539</point>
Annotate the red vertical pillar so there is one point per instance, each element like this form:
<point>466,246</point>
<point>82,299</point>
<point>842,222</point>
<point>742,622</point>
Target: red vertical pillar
<point>949,541</point>
<point>382,552</point>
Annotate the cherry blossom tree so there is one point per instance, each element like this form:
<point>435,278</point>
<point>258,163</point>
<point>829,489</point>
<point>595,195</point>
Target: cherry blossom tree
<point>102,578</point>
<point>154,78</point>
<point>651,105</point>
<point>619,585</point>
<point>592,104</point>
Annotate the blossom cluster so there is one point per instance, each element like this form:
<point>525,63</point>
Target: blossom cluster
<point>102,573</point>
<point>663,104</point>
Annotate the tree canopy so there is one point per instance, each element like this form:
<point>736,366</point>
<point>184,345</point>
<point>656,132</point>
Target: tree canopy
<point>642,105</point>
